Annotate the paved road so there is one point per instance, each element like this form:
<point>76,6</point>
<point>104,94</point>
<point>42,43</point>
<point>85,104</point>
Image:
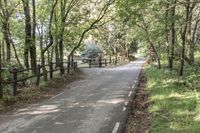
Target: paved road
<point>96,104</point>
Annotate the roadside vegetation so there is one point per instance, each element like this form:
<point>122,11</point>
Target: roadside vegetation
<point>170,31</point>
<point>175,105</point>
<point>166,102</point>
<point>175,101</point>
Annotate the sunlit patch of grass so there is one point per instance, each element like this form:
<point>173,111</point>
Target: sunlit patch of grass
<point>175,104</point>
<point>197,118</point>
<point>197,55</point>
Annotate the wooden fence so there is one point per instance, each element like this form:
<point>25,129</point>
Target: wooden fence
<point>15,72</point>
<point>101,62</point>
<point>21,75</point>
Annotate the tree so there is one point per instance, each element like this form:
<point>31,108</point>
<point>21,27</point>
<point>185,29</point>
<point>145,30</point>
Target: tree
<point>33,47</point>
<point>184,29</point>
<point>1,86</point>
<point>91,26</point>
<point>172,33</point>
<point>29,46</point>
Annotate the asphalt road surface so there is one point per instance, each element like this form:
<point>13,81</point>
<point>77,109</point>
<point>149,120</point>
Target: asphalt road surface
<point>96,104</point>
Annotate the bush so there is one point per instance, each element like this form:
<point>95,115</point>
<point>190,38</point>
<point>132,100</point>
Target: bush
<point>9,99</point>
<point>132,58</point>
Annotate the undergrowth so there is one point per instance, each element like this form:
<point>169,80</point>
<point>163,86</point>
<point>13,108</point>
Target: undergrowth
<point>175,100</point>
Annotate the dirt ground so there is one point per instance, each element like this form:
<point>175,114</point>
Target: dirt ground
<point>140,120</point>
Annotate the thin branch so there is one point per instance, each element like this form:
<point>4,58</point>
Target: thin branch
<point>50,25</point>
<point>99,18</point>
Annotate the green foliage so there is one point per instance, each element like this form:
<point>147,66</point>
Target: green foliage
<point>175,104</point>
<point>132,58</point>
<point>133,46</point>
<point>9,99</point>
<point>91,51</point>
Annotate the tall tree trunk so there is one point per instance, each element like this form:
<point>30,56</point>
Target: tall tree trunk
<point>29,37</point>
<point>61,54</point>
<point>28,29</point>
<point>57,58</point>
<point>6,38</point>
<point>194,41</point>
<point>110,58</point>
<point>43,66</point>
<point>42,54</point>
<point>49,55</point>
<point>183,37</point>
<point>3,50</point>
<point>68,64</point>
<point>182,54</point>
<point>5,27</point>
<point>167,33</point>
<point>33,47</point>
<point>61,35</point>
<point>191,45</point>
<point>52,54</point>
<point>173,34</point>
<point>26,56</point>
<point>191,35</point>
<point>1,87</point>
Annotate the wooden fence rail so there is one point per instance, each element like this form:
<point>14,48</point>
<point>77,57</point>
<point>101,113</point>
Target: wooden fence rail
<point>16,72</point>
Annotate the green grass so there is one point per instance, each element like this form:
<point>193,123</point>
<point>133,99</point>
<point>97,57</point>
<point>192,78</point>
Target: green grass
<point>175,103</point>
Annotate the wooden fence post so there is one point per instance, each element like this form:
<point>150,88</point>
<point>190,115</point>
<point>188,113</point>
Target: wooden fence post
<point>73,66</point>
<point>90,63</point>
<point>68,67</point>
<point>38,75</point>
<point>72,63</point>
<point>100,64</point>
<point>51,70</point>
<point>14,84</point>
<point>1,86</point>
<point>76,64</point>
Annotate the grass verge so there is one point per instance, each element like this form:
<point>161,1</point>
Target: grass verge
<point>175,102</point>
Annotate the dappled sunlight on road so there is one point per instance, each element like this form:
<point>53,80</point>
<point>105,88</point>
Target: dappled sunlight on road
<point>100,103</point>
<point>44,109</point>
<point>68,104</point>
<point>111,101</point>
<point>86,107</point>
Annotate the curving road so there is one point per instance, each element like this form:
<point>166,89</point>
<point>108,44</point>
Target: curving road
<point>97,104</point>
